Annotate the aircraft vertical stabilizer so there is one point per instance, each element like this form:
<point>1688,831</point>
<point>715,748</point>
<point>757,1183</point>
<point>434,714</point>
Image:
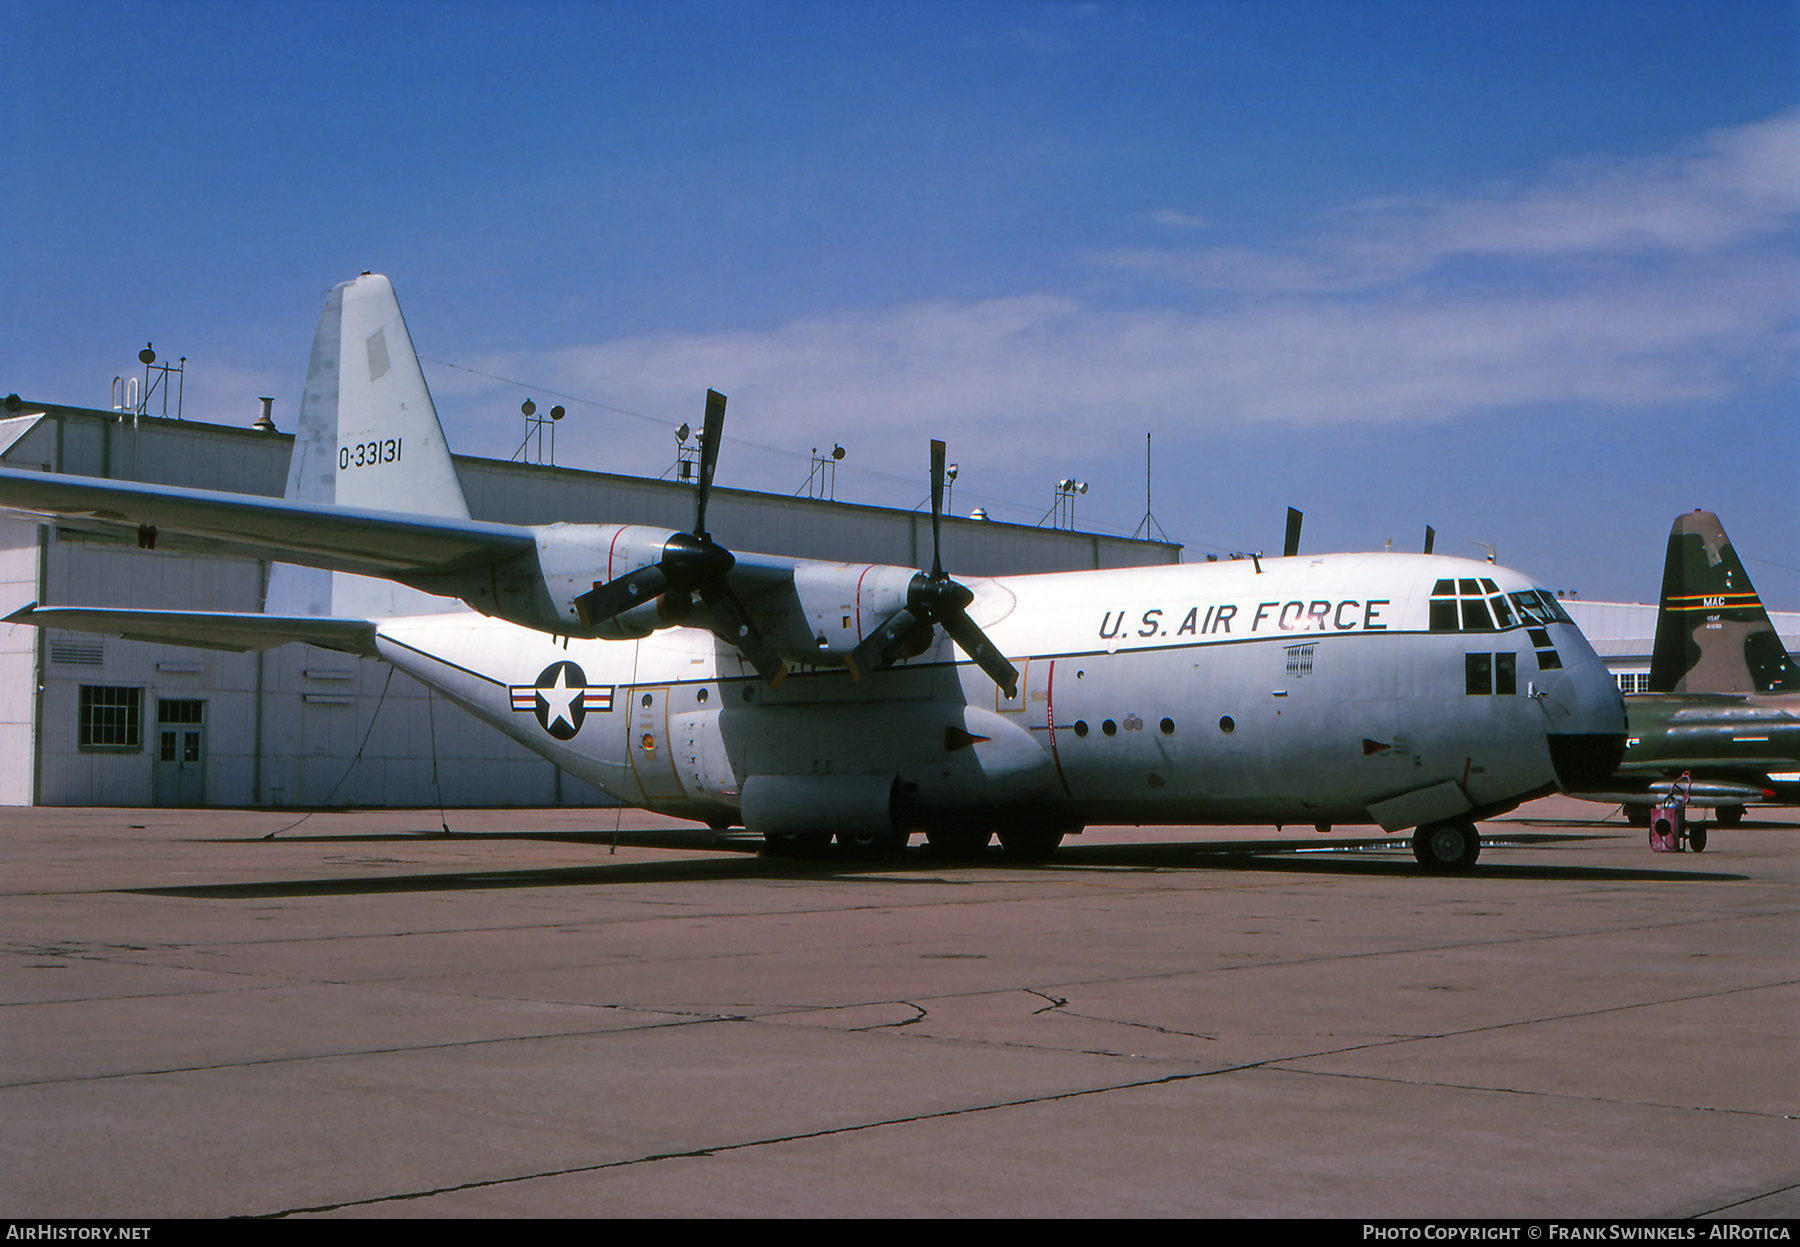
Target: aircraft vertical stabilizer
<point>391,454</point>
<point>1712,633</point>
<point>368,436</point>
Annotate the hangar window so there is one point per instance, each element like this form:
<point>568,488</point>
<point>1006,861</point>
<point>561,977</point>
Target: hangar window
<point>110,718</point>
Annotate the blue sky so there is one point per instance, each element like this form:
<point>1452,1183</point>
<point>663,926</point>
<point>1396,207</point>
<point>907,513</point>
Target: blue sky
<point>1525,272</point>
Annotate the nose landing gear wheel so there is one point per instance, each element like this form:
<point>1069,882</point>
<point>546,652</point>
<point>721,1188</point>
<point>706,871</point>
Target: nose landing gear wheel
<point>1446,848</point>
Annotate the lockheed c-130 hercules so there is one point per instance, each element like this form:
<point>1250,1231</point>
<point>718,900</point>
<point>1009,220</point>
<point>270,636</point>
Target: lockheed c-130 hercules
<point>808,701</point>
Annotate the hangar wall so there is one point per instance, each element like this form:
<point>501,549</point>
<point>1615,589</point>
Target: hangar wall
<point>87,720</point>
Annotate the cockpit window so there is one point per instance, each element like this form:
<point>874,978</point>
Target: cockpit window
<point>1529,609</point>
<point>1540,606</point>
<point>1459,606</point>
<point>1475,616</point>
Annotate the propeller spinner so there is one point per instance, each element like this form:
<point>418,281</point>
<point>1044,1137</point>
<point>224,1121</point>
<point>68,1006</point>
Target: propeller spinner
<point>693,563</point>
<point>933,599</point>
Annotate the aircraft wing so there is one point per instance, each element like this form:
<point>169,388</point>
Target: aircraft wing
<point>368,543</point>
<point>233,631</point>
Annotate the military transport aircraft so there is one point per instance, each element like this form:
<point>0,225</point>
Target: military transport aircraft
<point>808,700</point>
<point>1724,699</point>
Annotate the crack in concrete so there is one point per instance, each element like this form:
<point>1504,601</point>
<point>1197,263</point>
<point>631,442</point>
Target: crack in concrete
<point>720,1149</point>
<point>1525,1091</point>
<point>393,1051</point>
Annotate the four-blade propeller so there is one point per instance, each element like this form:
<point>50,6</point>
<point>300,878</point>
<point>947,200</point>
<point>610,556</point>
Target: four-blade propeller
<point>693,563</point>
<point>933,599</point>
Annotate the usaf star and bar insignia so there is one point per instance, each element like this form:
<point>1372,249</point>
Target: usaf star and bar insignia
<point>561,699</point>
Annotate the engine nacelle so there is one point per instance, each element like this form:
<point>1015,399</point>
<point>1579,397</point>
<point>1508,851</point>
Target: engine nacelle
<point>539,590</point>
<point>834,606</point>
<point>667,610</point>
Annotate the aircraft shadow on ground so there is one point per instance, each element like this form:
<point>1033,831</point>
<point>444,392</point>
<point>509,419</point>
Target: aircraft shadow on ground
<point>1369,858</point>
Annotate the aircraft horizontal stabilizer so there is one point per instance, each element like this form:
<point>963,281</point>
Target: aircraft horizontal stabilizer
<point>235,632</point>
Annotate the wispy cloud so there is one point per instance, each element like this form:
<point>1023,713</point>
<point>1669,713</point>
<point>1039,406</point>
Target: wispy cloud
<point>1732,188</point>
<point>1180,220</point>
<point>1611,283</point>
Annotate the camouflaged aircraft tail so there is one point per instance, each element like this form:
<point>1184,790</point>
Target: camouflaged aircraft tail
<point>1712,633</point>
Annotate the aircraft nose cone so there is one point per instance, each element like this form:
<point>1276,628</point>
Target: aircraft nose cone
<point>1584,759</point>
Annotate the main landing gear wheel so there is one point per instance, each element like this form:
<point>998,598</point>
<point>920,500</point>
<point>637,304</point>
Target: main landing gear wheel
<point>871,846</point>
<point>796,844</point>
<point>958,843</point>
<point>1446,848</point>
<point>1030,844</point>
<point>1637,815</point>
<point>1729,815</point>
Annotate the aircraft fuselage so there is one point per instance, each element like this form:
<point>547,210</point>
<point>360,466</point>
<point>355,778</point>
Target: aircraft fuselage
<point>1311,691</point>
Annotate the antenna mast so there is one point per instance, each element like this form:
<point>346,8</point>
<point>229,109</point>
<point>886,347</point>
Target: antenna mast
<point>1148,526</point>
